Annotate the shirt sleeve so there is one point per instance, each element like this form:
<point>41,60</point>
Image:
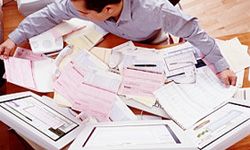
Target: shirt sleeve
<point>42,20</point>
<point>178,24</point>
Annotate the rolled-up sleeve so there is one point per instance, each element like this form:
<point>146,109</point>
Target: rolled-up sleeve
<point>42,20</point>
<point>178,24</point>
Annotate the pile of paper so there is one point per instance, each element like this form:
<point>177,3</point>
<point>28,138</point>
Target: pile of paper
<point>81,80</point>
<point>29,70</point>
<point>187,103</point>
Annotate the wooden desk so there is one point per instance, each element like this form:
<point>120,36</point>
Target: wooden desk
<point>112,40</point>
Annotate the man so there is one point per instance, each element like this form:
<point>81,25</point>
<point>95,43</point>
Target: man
<point>136,20</point>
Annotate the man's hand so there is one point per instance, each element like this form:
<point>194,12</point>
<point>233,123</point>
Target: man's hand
<point>228,77</point>
<point>7,48</point>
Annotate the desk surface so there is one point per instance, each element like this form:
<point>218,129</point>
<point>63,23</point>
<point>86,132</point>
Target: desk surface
<point>112,40</point>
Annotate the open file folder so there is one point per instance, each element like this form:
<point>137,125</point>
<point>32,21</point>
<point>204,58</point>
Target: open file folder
<point>39,120</point>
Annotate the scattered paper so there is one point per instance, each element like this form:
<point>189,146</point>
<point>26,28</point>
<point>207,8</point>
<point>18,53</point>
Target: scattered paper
<point>235,54</point>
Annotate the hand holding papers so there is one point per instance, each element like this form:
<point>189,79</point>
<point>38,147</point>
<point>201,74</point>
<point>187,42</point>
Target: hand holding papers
<point>30,70</point>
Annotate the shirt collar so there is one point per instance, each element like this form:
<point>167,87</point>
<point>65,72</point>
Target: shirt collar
<point>126,12</point>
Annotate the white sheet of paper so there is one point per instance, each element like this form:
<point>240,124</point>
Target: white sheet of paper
<point>52,40</point>
<point>86,59</point>
<point>121,112</point>
<point>240,78</point>
<point>132,135</point>
<point>46,42</point>
<point>235,53</point>
<point>43,71</point>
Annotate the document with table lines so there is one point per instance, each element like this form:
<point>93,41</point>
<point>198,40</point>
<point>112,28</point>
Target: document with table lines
<point>188,103</point>
<point>88,89</point>
<point>39,116</point>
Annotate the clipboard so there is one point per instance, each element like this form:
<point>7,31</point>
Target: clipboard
<point>133,135</point>
<point>39,120</point>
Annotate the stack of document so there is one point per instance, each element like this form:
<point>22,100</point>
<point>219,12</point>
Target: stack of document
<point>188,103</point>
<point>81,80</point>
<point>29,70</point>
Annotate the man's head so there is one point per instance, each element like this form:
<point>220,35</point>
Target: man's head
<point>98,9</point>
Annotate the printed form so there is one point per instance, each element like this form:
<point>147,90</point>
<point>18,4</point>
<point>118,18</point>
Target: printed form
<point>188,103</point>
<point>30,70</point>
<point>40,116</point>
<point>79,82</point>
<point>130,135</point>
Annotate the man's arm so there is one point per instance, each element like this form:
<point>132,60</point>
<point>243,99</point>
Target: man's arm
<point>42,20</point>
<point>187,27</point>
<point>181,25</point>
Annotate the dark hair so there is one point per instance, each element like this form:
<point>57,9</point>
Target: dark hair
<point>98,5</point>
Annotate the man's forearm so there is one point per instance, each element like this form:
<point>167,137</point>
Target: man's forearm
<point>41,21</point>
